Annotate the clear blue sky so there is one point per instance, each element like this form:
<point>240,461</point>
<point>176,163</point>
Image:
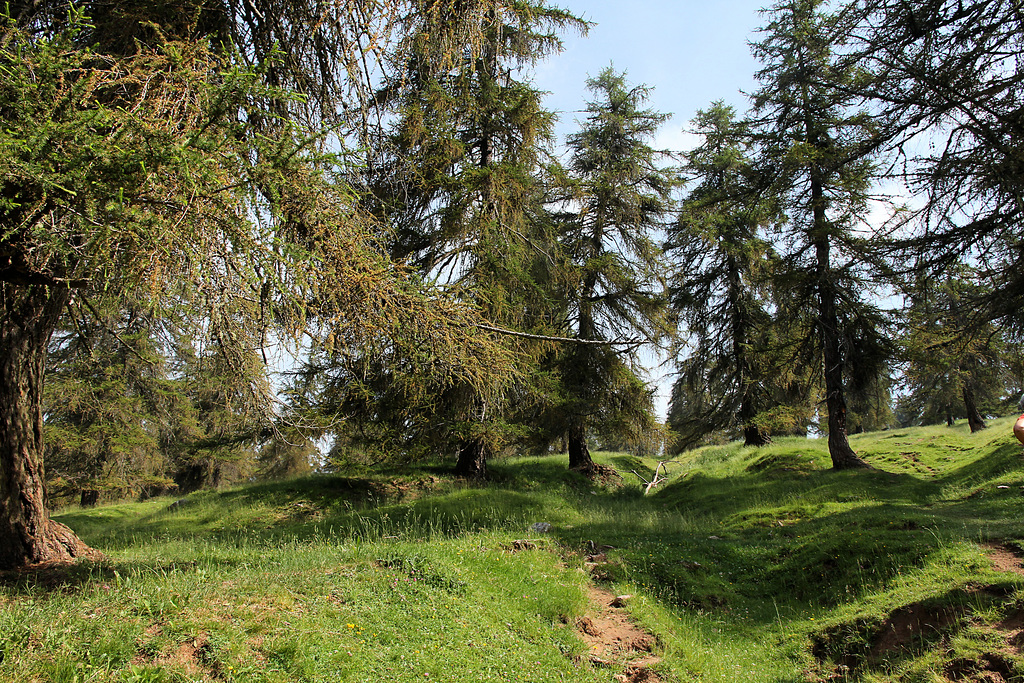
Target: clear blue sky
<point>690,53</point>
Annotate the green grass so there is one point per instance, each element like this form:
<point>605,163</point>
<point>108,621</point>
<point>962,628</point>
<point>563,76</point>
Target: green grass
<point>748,565</point>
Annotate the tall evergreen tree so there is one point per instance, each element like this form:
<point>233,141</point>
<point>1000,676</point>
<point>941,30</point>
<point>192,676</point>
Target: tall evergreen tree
<point>820,145</point>
<point>719,287</point>
<point>461,184</point>
<point>619,195</point>
<point>168,193</point>
<point>111,404</point>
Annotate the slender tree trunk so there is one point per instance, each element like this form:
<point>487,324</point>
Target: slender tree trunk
<point>843,456</point>
<point>472,463</point>
<point>28,316</point>
<point>752,435</point>
<point>579,454</point>
<point>974,418</point>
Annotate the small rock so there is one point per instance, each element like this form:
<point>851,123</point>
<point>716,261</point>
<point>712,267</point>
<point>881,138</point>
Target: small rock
<point>714,538</point>
<point>621,600</point>
<point>541,527</point>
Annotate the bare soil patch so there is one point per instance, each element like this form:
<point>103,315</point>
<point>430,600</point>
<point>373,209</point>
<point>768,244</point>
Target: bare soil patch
<point>910,625</point>
<point>615,641</point>
<point>988,668</point>
<point>192,656</point>
<point>1005,559</point>
<point>850,647</point>
<point>600,474</point>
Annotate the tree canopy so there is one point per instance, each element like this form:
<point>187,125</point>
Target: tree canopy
<point>144,174</point>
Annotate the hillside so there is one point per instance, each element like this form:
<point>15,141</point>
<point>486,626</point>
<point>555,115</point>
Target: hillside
<point>747,565</point>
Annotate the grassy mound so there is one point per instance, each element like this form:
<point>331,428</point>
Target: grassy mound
<point>748,565</point>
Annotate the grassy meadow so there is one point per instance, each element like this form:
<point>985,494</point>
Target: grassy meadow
<point>747,565</point>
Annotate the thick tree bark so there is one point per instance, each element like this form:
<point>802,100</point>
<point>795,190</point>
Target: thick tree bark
<point>28,316</point>
<point>472,462</point>
<point>974,418</point>
<point>579,454</point>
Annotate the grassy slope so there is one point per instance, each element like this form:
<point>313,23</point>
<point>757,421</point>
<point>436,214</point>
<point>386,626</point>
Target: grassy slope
<point>750,565</point>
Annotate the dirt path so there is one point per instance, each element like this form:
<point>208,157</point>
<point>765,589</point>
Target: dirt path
<point>615,641</point>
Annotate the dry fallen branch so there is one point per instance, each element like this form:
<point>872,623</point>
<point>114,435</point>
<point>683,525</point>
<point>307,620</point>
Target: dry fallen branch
<point>658,477</point>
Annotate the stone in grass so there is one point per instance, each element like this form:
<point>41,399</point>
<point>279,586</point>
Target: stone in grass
<point>621,600</point>
<point>541,527</point>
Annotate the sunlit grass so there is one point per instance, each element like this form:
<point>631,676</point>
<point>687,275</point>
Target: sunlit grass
<point>748,565</point>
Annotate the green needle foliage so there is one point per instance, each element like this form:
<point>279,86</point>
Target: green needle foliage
<point>945,88</point>
<point>821,147</point>
<point>459,178</point>
<point>617,195</point>
<point>721,286</point>
<point>145,177</point>
<point>955,364</point>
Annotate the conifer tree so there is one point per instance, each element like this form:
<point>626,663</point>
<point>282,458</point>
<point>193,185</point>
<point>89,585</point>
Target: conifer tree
<point>461,183</point>
<point>618,194</point>
<point>946,81</point>
<point>953,356</point>
<point>721,284</point>
<point>175,192</point>
<point>821,147</point>
<point>111,404</point>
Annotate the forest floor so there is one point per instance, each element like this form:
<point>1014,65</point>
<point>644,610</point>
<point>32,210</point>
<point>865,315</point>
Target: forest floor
<point>745,565</point>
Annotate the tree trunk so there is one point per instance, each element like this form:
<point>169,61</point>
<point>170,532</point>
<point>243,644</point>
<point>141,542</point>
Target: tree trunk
<point>28,316</point>
<point>974,418</point>
<point>843,456</point>
<point>752,436</point>
<point>472,463</point>
<point>579,454</point>
<point>204,473</point>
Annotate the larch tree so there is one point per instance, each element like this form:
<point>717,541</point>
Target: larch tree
<point>821,147</point>
<point>720,284</point>
<point>461,182</point>
<point>145,171</point>
<point>946,80</point>
<point>618,195</point>
<point>112,402</point>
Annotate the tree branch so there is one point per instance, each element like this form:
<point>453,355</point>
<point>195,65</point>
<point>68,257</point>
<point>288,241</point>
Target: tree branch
<point>571,340</point>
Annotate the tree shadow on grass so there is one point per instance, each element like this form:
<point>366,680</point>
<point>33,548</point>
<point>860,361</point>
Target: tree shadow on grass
<point>77,577</point>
